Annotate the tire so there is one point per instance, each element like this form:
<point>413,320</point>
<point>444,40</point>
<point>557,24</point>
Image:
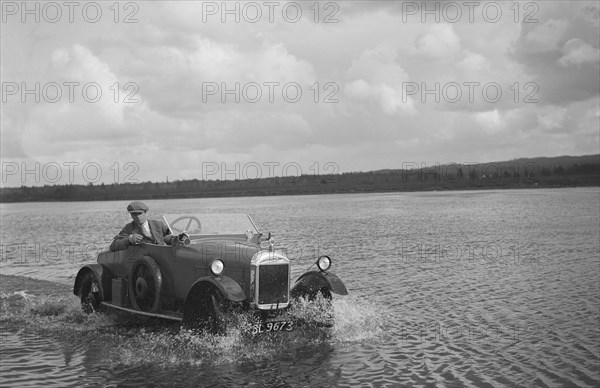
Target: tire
<point>145,285</point>
<point>325,292</point>
<point>204,311</point>
<point>90,293</point>
<point>215,317</point>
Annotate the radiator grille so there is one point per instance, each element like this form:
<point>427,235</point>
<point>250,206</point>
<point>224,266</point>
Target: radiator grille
<point>273,283</point>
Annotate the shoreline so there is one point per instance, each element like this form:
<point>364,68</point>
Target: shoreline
<point>234,194</point>
<point>33,286</point>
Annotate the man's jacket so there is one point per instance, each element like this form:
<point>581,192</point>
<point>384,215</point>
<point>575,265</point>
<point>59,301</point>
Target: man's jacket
<point>160,235</point>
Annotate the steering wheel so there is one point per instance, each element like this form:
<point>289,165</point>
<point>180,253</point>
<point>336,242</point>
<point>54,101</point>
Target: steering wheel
<point>190,221</point>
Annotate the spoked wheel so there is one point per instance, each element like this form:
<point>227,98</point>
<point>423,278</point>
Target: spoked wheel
<point>145,285</point>
<point>90,293</point>
<point>205,311</point>
<point>215,317</point>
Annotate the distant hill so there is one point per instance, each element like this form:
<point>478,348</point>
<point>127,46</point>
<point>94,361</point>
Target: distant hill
<point>562,171</point>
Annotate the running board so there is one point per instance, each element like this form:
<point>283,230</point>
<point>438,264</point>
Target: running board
<point>154,315</point>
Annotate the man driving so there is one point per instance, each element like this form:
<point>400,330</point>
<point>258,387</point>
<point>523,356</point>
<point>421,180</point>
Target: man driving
<point>141,229</point>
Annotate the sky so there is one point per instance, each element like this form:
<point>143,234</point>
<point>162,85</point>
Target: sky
<point>135,91</point>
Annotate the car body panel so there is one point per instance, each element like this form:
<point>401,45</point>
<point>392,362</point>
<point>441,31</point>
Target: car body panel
<point>315,280</point>
<point>103,276</point>
<point>226,285</point>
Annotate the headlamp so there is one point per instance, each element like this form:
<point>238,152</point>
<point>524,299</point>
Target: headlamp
<point>217,267</point>
<point>324,263</point>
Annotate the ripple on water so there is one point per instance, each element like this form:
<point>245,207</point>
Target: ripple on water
<point>496,288</point>
<point>49,336</point>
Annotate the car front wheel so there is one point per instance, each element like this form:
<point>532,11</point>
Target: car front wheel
<point>204,311</point>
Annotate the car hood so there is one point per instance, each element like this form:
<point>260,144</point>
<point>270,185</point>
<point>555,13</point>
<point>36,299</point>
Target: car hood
<point>225,248</point>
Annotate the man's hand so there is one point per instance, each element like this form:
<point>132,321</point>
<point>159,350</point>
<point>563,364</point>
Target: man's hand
<point>135,238</point>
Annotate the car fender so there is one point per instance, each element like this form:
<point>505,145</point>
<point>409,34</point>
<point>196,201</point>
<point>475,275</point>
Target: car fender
<point>227,286</point>
<point>313,281</point>
<point>103,275</point>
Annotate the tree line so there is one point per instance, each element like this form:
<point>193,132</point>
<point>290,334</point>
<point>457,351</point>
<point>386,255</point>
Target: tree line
<point>518,173</point>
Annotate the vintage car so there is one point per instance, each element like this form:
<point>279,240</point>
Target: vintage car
<point>217,264</point>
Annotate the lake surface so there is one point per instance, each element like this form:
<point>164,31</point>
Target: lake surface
<point>470,288</point>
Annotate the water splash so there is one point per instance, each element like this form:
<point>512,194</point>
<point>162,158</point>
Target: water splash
<point>358,320</point>
<point>132,341</point>
<point>58,316</point>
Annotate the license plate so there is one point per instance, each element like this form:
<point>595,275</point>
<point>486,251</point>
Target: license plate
<point>267,327</point>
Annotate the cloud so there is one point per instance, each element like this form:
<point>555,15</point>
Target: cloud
<point>93,81</point>
<point>578,52</point>
<point>473,63</point>
<point>552,118</point>
<point>376,76</point>
<point>546,36</point>
<point>560,51</point>
<point>11,145</point>
<point>440,42</point>
<point>201,74</point>
<point>490,120</point>
<point>368,58</point>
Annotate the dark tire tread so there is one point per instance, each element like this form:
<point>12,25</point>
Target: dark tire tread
<point>150,271</point>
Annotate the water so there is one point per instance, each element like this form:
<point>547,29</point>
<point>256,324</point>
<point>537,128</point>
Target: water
<point>477,288</point>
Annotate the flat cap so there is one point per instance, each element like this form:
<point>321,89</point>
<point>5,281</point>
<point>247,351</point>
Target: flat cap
<point>137,207</point>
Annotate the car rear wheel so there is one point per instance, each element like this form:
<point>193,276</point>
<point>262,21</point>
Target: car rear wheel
<point>145,285</point>
<point>90,293</point>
